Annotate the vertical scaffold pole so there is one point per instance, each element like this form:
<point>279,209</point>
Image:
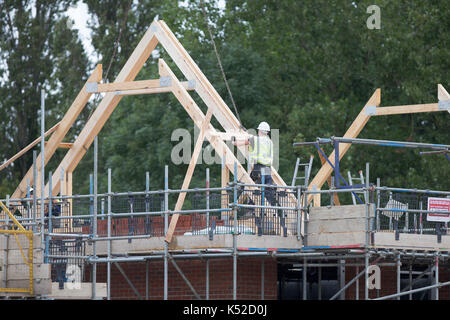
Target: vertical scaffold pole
<point>207,199</point>
<point>341,269</point>
<point>436,276</point>
<point>147,228</point>
<point>147,202</point>
<point>367,200</point>
<point>378,204</point>
<point>366,275</point>
<point>42,165</point>
<point>299,212</point>
<point>47,239</point>
<point>235,231</point>
<point>207,280</point>
<point>34,190</point>
<point>94,222</point>
<point>398,275</point>
<point>410,280</point>
<point>304,279</point>
<point>108,266</point>
<point>166,224</point>
<point>357,285</point>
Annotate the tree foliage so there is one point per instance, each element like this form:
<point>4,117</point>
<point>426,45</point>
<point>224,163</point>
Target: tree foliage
<point>306,67</point>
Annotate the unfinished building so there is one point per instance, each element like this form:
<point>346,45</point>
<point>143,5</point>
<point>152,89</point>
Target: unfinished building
<point>144,245</point>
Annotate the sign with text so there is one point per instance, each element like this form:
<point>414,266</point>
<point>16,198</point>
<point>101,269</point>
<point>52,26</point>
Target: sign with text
<point>440,208</point>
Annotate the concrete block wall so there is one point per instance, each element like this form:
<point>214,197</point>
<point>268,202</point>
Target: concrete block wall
<point>220,279</point>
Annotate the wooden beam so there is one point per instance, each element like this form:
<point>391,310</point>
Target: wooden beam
<point>64,126</point>
<point>188,176</point>
<point>133,85</point>
<point>209,95</point>
<point>105,107</point>
<point>63,145</point>
<point>414,108</point>
<point>198,117</point>
<point>203,87</point>
<point>228,136</point>
<point>352,132</point>
<point>28,147</point>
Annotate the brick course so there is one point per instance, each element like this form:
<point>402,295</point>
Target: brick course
<point>220,279</point>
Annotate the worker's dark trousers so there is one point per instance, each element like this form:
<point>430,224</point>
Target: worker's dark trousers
<point>269,192</point>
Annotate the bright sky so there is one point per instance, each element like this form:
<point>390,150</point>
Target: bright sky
<point>79,15</point>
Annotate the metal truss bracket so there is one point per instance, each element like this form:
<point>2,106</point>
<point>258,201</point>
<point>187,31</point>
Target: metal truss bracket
<point>444,105</point>
<point>191,84</point>
<point>165,81</point>
<point>91,87</point>
<point>370,110</point>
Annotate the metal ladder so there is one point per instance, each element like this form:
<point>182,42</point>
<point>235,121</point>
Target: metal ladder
<point>307,171</point>
<point>350,183</point>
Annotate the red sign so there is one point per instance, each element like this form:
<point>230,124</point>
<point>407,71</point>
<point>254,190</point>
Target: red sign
<point>442,208</point>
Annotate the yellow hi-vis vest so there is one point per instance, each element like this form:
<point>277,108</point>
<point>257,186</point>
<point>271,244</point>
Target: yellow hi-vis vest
<point>261,152</point>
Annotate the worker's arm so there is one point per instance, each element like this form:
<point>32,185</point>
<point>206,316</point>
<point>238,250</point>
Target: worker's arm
<point>244,142</point>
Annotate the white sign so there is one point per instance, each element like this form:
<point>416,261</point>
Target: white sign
<point>439,206</point>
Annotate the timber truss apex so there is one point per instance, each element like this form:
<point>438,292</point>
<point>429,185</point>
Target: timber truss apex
<point>124,84</point>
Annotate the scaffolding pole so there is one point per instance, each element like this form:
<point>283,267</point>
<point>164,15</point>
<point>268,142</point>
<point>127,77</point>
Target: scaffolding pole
<point>207,279</point>
<point>438,285</point>
<point>34,190</point>
<point>109,242</point>
<point>305,297</point>
<point>94,221</point>
<point>235,233</point>
<point>184,278</point>
<point>166,225</point>
<point>42,166</point>
<point>399,264</point>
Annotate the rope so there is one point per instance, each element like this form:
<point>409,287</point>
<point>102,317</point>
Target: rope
<point>114,52</point>
<point>220,63</point>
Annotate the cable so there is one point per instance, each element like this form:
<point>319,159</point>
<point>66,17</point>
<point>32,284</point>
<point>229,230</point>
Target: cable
<point>220,63</point>
<point>114,52</point>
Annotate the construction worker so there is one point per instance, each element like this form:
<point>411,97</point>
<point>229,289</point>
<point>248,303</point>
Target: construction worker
<point>260,154</point>
<point>260,150</point>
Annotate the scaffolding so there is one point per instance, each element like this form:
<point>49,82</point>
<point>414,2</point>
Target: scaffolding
<point>71,229</point>
<point>146,214</point>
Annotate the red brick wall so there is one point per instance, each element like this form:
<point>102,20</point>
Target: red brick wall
<point>185,224</point>
<point>220,279</point>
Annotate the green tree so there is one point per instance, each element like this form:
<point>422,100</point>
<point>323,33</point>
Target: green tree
<point>37,51</point>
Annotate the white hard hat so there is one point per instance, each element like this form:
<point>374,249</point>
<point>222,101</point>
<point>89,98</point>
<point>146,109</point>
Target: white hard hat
<point>264,126</point>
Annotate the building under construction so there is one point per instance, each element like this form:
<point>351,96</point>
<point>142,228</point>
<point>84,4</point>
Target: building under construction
<point>232,242</point>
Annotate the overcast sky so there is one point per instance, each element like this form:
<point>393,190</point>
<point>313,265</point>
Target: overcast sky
<point>79,15</point>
